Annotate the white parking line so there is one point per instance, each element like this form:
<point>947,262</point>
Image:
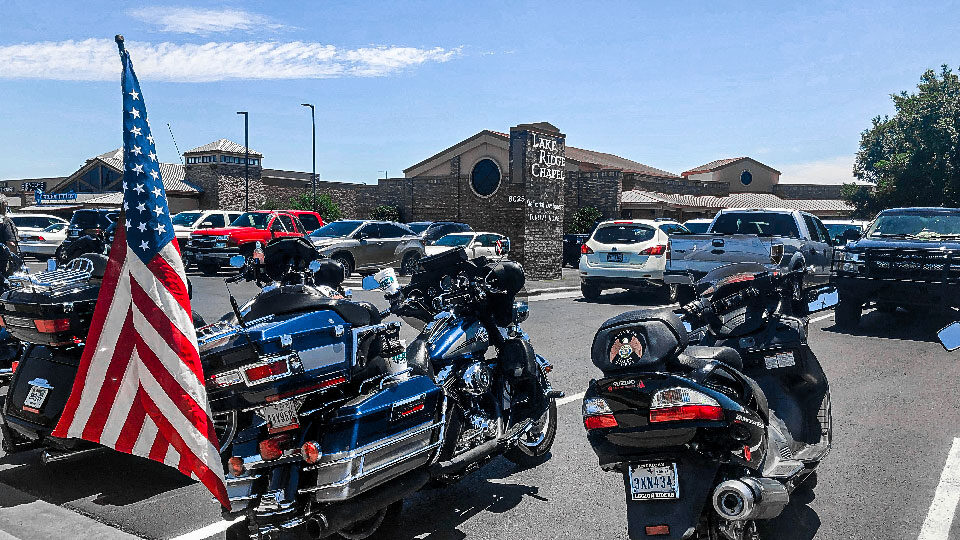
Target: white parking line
<point>208,531</point>
<point>554,296</point>
<point>822,317</point>
<point>570,399</point>
<point>945,499</point>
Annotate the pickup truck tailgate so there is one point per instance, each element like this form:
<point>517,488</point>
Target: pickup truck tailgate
<point>701,253</point>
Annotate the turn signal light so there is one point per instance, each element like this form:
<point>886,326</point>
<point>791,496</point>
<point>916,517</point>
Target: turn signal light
<point>654,250</point>
<point>585,250</point>
<point>236,465</point>
<point>51,326</point>
<point>14,366</point>
<point>310,451</point>
<point>597,414</point>
<point>266,371</point>
<point>657,530</point>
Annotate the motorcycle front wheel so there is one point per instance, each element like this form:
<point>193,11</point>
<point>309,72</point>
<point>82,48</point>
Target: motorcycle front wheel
<point>534,446</point>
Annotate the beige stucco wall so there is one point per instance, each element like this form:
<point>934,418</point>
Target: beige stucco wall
<point>763,178</point>
<point>471,152</point>
<point>499,154</point>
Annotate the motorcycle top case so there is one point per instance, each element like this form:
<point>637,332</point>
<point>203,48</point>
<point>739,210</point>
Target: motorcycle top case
<point>378,436</point>
<point>49,317</point>
<point>281,354</point>
<point>39,389</point>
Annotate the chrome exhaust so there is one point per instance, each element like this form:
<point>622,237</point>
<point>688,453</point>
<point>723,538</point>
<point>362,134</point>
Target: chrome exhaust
<point>750,498</point>
<point>56,456</point>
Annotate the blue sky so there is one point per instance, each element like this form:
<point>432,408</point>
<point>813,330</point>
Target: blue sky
<point>669,84</point>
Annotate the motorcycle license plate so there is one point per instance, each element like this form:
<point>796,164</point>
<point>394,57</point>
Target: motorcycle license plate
<point>615,257</point>
<point>35,398</point>
<point>654,481</point>
<point>281,416</point>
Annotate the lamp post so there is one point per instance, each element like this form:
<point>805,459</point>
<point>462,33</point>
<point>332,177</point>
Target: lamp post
<point>246,160</point>
<point>313,175</point>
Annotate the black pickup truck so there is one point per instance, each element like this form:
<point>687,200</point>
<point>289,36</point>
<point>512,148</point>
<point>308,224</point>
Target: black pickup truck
<point>909,257</point>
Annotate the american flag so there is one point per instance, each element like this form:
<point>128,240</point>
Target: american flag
<point>139,388</point>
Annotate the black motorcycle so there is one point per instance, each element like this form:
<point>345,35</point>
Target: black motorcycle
<point>713,437</point>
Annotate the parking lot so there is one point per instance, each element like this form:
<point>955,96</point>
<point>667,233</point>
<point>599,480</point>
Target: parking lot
<point>895,412</point>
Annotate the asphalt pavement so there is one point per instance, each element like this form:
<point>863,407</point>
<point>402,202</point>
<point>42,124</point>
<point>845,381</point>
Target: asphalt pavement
<point>895,412</point>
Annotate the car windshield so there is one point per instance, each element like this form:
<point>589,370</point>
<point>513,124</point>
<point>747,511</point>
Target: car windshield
<point>624,233</point>
<point>186,219</point>
<point>418,228</point>
<point>920,225</point>
<point>837,229</point>
<point>86,219</point>
<point>454,240</point>
<point>697,227</point>
<point>758,223</point>
<point>56,227</point>
<point>257,220</point>
<point>337,229</point>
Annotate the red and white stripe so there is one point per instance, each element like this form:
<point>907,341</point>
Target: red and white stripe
<point>139,387</point>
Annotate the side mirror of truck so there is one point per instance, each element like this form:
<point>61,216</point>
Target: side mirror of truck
<point>950,337</point>
<point>825,299</point>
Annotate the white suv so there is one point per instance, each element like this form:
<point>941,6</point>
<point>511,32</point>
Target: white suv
<point>627,253</point>
<point>188,221</point>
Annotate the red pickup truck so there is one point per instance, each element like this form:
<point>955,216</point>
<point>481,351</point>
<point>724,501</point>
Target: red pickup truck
<point>211,249</point>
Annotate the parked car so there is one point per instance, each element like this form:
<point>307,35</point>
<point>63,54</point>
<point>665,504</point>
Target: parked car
<point>34,223</point>
<point>186,222</point>
<point>788,240</point>
<point>418,227</point>
<point>909,257</point>
<point>439,229</point>
<point>845,230</point>
<point>626,254</point>
<point>86,222</point>
<point>476,244</point>
<point>698,225</point>
<point>43,244</point>
<point>211,249</point>
<point>367,246</point>
<point>571,248</point>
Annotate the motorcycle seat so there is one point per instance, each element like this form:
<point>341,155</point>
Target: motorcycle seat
<point>296,298</point>
<point>698,356</point>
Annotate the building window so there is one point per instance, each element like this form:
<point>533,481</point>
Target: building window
<point>746,177</point>
<point>485,178</point>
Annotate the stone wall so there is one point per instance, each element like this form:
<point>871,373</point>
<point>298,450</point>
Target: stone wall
<point>210,177</point>
<point>600,190</point>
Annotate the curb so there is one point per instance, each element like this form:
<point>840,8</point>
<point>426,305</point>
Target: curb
<point>552,290</point>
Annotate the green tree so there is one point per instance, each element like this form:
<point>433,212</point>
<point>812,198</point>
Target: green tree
<point>386,212</point>
<point>583,219</point>
<point>328,209</point>
<point>913,157</point>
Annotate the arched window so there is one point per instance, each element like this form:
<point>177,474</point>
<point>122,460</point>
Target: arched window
<point>746,177</point>
<point>485,177</point>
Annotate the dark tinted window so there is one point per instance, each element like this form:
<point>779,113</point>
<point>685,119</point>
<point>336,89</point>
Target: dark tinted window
<point>674,228</point>
<point>214,220</point>
<point>697,228</point>
<point>287,223</point>
<point>760,223</point>
<point>336,229</point>
<point>89,219</point>
<point>624,234</point>
<point>309,221</point>
<point>389,230</point>
<point>257,220</point>
<point>418,228</point>
<point>812,229</point>
<point>277,225</point>
<point>485,177</point>
<point>371,230</point>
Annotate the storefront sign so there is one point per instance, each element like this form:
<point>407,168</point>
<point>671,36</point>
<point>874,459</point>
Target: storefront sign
<point>550,157</point>
<point>27,187</point>
<point>42,197</point>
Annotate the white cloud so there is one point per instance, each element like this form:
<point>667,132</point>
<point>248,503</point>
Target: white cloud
<point>97,60</point>
<point>837,170</point>
<point>188,20</point>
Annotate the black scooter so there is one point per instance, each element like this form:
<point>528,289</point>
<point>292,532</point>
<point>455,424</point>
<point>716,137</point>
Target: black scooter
<point>710,438</point>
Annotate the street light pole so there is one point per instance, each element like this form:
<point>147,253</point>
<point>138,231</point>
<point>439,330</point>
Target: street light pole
<point>246,160</point>
<point>313,175</point>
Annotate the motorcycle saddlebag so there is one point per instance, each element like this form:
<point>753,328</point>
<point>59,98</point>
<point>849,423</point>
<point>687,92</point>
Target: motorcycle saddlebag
<point>376,437</point>
<point>49,317</point>
<point>39,390</point>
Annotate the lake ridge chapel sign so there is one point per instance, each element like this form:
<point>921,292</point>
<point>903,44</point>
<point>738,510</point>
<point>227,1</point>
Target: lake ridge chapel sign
<point>538,163</point>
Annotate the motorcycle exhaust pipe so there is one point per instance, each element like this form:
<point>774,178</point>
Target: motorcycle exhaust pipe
<point>750,498</point>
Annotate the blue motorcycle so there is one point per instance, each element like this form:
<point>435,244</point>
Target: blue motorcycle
<point>332,423</point>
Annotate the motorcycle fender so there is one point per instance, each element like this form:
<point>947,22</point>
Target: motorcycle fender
<point>696,478</point>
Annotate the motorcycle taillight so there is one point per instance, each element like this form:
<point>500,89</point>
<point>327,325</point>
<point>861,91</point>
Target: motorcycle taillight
<point>597,414</point>
<point>678,404</point>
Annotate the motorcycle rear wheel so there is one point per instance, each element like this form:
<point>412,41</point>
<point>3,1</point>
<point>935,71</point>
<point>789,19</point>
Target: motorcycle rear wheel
<point>380,525</point>
<point>533,448</point>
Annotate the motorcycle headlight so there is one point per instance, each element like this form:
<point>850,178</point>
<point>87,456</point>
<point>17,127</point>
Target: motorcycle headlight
<point>520,312</point>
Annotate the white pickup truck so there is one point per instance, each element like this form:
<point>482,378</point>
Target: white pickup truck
<point>789,240</point>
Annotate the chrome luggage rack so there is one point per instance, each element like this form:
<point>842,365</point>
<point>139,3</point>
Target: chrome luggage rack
<point>58,281</point>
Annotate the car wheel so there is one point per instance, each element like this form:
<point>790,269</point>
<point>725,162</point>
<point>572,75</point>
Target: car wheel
<point>410,262</point>
<point>345,262</point>
<point>590,292</point>
<point>209,269</point>
<point>848,313</point>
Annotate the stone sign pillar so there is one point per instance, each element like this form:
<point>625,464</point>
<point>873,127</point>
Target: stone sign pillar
<point>537,168</point>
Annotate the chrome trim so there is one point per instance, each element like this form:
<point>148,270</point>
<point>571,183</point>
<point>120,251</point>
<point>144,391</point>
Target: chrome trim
<point>238,480</point>
<point>393,376</point>
<point>350,455</point>
<point>366,472</point>
<point>244,498</point>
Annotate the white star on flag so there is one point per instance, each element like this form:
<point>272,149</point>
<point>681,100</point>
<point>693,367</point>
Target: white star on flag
<point>135,95</point>
<point>150,138</point>
<point>152,156</point>
<point>144,245</point>
<point>161,228</point>
<point>141,207</point>
<point>142,227</point>
<point>135,112</point>
<point>156,191</point>
<point>158,210</point>
<point>128,223</point>
<point>136,131</point>
<point>125,205</point>
<point>154,174</point>
<point>139,188</point>
<point>136,151</point>
<point>138,168</point>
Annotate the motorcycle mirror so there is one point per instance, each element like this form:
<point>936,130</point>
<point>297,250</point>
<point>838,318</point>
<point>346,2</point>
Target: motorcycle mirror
<point>237,261</point>
<point>950,336</point>
<point>348,293</point>
<point>370,283</point>
<point>51,264</point>
<point>314,265</point>
<point>825,300</point>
